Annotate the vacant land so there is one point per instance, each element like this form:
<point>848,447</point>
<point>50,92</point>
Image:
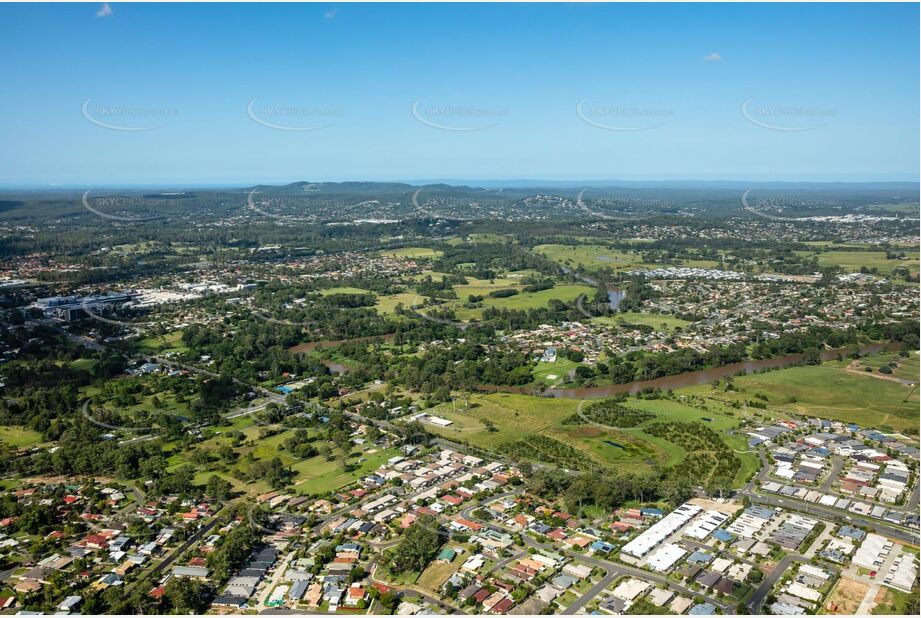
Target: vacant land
<point>846,597</point>
<point>19,437</point>
<point>466,311</point>
<point>313,475</point>
<point>497,421</point>
<point>891,602</point>
<point>437,572</point>
<point>387,305</point>
<point>852,261</point>
<point>344,290</point>
<point>906,369</point>
<point>161,344</point>
<point>590,257</point>
<point>551,373</point>
<point>84,364</point>
<point>826,391</point>
<point>414,252</point>
<point>481,238</point>
<point>533,300</point>
<point>656,320</point>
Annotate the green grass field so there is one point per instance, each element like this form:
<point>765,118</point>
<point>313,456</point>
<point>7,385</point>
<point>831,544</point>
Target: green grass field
<point>437,573</point>
<point>533,300</point>
<point>826,391</point>
<point>516,417</point>
<point>344,290</point>
<point>907,368</point>
<point>84,364</point>
<point>482,287</point>
<point>19,437</point>
<point>655,320</point>
<point>480,239</point>
<point>905,208</point>
<point>314,475</point>
<point>170,342</point>
<point>387,305</point>
<point>560,369</point>
<point>597,257</point>
<point>414,252</point>
<point>851,261</point>
<point>590,257</point>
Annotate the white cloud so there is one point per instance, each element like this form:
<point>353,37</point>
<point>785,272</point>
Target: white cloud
<point>104,11</point>
<point>713,57</point>
<point>330,13</point>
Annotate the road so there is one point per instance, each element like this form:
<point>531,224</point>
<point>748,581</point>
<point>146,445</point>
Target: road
<point>896,534</point>
<point>592,593</point>
<point>757,599</point>
<point>179,551</point>
<point>276,579</point>
<point>615,569</point>
<point>837,464</point>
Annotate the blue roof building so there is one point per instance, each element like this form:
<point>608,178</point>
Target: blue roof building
<point>700,557</point>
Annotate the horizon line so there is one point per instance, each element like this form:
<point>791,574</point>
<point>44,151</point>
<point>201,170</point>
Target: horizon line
<point>458,182</point>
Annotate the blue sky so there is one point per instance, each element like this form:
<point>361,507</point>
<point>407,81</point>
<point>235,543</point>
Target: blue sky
<point>831,92</point>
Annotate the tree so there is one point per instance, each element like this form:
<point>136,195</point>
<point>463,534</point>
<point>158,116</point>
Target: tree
<point>389,600</point>
<point>186,596</point>
<point>418,547</point>
<point>217,488</point>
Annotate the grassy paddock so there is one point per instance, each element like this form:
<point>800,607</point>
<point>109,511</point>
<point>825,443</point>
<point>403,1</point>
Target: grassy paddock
<point>825,391</point>
<point>590,257</point>
<point>414,252</point>
<point>19,437</point>
<point>170,342</point>
<point>656,320</point>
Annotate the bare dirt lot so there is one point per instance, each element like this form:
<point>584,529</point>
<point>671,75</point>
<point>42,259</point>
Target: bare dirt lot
<point>846,597</point>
